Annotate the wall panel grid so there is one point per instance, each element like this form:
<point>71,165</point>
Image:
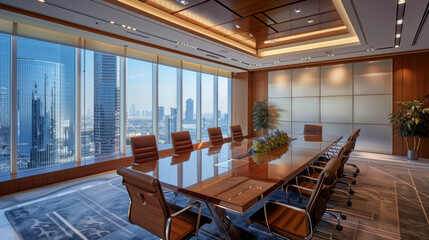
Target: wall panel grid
<point>340,97</point>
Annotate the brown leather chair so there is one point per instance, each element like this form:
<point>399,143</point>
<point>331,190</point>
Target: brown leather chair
<point>295,223</point>
<point>236,133</point>
<point>144,149</point>
<point>215,136</point>
<point>149,209</point>
<point>182,142</point>
<point>310,129</point>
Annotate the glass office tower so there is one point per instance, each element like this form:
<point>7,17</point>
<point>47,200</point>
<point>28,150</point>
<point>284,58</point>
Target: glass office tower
<point>4,103</point>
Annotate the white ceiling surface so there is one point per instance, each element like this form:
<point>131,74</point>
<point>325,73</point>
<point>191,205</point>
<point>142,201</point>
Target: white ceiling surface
<point>374,22</point>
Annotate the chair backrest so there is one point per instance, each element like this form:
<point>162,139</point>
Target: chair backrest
<point>215,136</point>
<point>316,206</point>
<point>182,142</point>
<point>148,208</point>
<point>237,134</point>
<point>343,155</point>
<point>310,129</point>
<point>355,136</point>
<point>144,149</point>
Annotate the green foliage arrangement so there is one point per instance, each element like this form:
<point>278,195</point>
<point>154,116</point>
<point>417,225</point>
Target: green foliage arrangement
<point>269,142</point>
<point>412,122</point>
<point>260,115</point>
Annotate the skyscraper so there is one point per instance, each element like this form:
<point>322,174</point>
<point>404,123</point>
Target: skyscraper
<point>106,103</point>
<point>160,114</point>
<point>189,112</point>
<point>171,126</point>
<point>4,103</point>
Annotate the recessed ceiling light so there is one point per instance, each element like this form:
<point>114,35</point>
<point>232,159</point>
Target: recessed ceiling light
<point>398,35</point>
<point>273,41</point>
<point>310,21</point>
<point>296,10</point>
<point>42,1</point>
<point>250,34</point>
<point>134,29</point>
<point>396,46</point>
<point>400,21</point>
<point>237,26</point>
<point>124,26</point>
<point>401,1</point>
<point>183,2</point>
<point>129,27</point>
<point>112,22</point>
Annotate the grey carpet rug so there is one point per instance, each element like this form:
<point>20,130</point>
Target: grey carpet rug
<point>391,201</point>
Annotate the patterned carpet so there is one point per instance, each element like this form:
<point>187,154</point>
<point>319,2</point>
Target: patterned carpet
<point>391,201</point>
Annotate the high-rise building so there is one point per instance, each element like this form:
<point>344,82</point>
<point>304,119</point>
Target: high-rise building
<point>4,103</point>
<point>106,103</point>
<point>133,110</point>
<point>171,126</point>
<point>189,112</point>
<point>160,114</point>
<point>173,112</point>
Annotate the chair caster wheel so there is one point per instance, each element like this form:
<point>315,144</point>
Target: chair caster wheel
<point>299,200</point>
<point>339,227</point>
<point>352,191</point>
<point>349,203</point>
<point>354,174</point>
<point>358,170</point>
<point>354,182</point>
<point>344,217</point>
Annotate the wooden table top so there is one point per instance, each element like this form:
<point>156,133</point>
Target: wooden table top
<point>229,177</point>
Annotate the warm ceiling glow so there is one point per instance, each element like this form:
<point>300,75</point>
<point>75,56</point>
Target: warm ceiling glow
<point>42,1</point>
<point>306,34</point>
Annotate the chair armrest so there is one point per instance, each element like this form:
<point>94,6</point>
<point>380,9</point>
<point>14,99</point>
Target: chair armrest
<point>312,179</point>
<point>182,211</point>
<point>317,167</point>
<point>290,207</point>
<point>299,187</point>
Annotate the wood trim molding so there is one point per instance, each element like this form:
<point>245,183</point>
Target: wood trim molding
<point>107,34</point>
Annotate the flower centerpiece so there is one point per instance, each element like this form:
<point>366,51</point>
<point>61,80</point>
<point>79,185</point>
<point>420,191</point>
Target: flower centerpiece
<point>269,142</point>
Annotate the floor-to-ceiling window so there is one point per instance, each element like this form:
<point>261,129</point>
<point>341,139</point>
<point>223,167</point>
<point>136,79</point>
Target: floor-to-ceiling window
<point>189,102</point>
<point>139,99</point>
<point>207,104</point>
<point>100,97</point>
<point>4,103</point>
<point>45,103</point>
<point>224,100</point>
<point>167,104</point>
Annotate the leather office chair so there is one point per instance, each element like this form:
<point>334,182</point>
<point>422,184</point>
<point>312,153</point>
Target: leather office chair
<point>182,142</point>
<point>149,209</point>
<point>144,149</point>
<point>237,134</point>
<point>310,129</point>
<point>215,136</point>
<point>295,223</point>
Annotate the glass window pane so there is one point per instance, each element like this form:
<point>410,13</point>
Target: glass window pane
<point>373,77</point>
<point>305,109</point>
<point>374,138</point>
<point>305,82</point>
<point>336,80</point>
<point>189,94</point>
<point>167,104</point>
<point>283,106</point>
<point>4,103</point>
<point>207,107</point>
<point>139,99</point>
<point>46,103</point>
<point>279,84</point>
<point>224,100</point>
<point>336,109</point>
<point>87,104</point>
<point>372,109</point>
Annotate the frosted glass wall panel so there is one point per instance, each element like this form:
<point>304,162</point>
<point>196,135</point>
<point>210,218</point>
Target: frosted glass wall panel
<point>336,80</point>
<point>285,127</point>
<point>305,109</point>
<point>306,82</point>
<point>336,109</point>
<point>374,138</point>
<point>283,106</point>
<point>298,127</point>
<point>344,130</point>
<point>374,77</point>
<point>279,83</point>
<point>372,109</point>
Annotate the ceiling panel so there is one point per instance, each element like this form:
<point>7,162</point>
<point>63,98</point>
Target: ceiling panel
<point>247,7</point>
<point>247,25</point>
<point>171,6</point>
<point>264,18</point>
<point>207,14</point>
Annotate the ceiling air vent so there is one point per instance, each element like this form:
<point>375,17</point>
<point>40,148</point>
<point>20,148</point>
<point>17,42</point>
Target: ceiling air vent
<point>212,56</point>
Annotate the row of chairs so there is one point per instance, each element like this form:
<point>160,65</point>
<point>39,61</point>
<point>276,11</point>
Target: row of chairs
<point>144,148</point>
<point>317,183</point>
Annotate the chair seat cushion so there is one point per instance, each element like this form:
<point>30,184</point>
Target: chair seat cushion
<point>284,221</point>
<point>184,224</point>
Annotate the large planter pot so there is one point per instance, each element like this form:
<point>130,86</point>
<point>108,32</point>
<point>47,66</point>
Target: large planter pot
<point>412,155</point>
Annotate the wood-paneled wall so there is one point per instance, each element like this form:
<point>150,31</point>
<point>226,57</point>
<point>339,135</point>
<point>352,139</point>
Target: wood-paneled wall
<point>240,101</point>
<point>410,81</point>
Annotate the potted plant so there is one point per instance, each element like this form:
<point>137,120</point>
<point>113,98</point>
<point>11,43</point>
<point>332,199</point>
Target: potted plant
<point>265,116</point>
<point>412,121</point>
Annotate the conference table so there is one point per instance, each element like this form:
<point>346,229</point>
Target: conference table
<point>227,177</point>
